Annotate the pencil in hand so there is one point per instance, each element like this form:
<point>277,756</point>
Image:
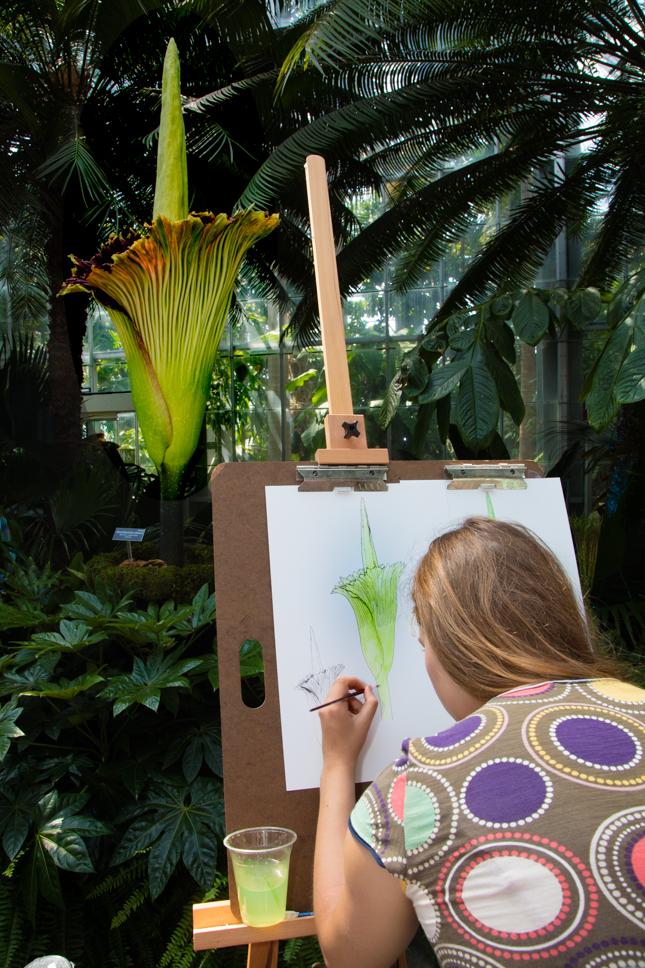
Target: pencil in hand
<point>349,695</point>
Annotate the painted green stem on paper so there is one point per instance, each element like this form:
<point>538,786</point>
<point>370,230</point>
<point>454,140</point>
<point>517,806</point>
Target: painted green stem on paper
<point>373,594</point>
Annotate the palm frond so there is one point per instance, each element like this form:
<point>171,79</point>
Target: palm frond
<point>74,159</point>
<point>348,29</point>
<point>230,92</point>
<point>516,251</point>
<point>622,230</point>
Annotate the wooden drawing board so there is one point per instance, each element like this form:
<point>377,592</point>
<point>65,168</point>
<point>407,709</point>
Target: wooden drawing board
<point>254,783</point>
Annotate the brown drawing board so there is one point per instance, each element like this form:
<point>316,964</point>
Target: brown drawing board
<point>254,784</point>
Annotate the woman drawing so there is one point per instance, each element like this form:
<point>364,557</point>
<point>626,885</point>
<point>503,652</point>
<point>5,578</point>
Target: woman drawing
<point>516,836</point>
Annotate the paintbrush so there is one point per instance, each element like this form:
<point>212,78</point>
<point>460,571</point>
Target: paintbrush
<point>349,695</point>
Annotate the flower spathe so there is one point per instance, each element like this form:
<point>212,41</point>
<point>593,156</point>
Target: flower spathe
<point>168,293</point>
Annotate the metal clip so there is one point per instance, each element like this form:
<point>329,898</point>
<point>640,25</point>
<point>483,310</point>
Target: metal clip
<point>500,476</point>
<point>362,477</point>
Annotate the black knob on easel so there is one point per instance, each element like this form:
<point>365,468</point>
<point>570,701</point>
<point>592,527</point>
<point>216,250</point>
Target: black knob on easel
<point>351,428</point>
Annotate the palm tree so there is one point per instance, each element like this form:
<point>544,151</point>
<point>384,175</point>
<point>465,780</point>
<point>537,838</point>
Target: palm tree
<point>452,106</point>
<point>52,88</point>
<point>432,85</point>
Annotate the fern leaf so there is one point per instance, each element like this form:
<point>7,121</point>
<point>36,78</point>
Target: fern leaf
<point>136,899</point>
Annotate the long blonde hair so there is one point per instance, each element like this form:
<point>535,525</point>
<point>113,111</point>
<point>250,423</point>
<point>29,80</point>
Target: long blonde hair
<point>498,611</point>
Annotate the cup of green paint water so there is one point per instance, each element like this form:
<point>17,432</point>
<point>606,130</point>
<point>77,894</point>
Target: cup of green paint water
<point>260,857</point>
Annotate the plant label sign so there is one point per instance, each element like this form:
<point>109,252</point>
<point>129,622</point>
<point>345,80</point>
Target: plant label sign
<point>341,565</point>
<point>128,534</point>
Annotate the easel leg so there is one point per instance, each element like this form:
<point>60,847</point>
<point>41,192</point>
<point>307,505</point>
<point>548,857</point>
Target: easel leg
<point>263,954</point>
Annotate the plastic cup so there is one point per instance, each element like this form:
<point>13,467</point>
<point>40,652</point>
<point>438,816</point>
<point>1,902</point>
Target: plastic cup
<point>260,857</point>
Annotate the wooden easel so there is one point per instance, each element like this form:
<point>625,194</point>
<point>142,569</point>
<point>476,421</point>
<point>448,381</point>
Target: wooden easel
<point>217,924</point>
<point>254,788</point>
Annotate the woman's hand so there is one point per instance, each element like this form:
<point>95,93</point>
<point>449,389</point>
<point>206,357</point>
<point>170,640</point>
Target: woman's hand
<point>345,725</point>
<point>363,917</point>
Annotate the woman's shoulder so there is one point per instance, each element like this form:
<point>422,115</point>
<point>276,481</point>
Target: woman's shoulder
<point>515,720</point>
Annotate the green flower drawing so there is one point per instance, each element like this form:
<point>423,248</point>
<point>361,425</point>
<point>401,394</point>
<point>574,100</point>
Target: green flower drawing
<point>373,594</point>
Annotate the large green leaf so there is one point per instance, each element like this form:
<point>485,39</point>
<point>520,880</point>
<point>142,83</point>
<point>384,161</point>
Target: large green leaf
<point>509,392</point>
<point>443,418</point>
<point>251,661</point>
<point>201,612</point>
<point>72,159</point>
<point>630,383</point>
<point>502,306</point>
<point>91,608</point>
<point>158,624</point>
<point>390,402</point>
<point>461,331</point>
<point>12,617</point>
<point>65,688</point>
<point>73,636</point>
<point>61,829</point>
<point>477,405</point>
<point>414,374</point>
<point>601,400</point>
<point>531,317</point>
<point>9,713</point>
<point>177,821</point>
<point>148,678</point>
<point>33,676</point>
<point>16,812</point>
<point>205,746</point>
<point>444,378</point>
<point>501,335</point>
<point>583,307</point>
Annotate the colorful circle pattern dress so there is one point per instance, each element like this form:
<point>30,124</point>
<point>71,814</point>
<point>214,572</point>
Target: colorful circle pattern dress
<point>520,830</point>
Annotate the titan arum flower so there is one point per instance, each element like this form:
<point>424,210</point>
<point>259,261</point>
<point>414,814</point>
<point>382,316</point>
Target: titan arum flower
<point>373,594</point>
<point>168,291</point>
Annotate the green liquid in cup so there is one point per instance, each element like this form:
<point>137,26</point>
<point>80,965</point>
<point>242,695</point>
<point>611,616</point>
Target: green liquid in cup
<point>262,891</point>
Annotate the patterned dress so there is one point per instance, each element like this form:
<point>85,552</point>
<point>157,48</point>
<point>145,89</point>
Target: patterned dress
<point>520,830</point>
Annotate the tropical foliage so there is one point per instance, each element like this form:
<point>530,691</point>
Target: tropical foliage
<point>58,508</point>
<point>101,817</point>
<point>54,86</point>
<point>461,371</point>
<point>454,105</point>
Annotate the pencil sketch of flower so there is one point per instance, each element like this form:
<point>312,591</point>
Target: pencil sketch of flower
<point>373,594</point>
<point>317,684</point>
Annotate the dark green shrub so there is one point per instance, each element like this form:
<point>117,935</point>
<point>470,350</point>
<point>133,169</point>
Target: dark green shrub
<point>111,811</point>
<point>155,583</point>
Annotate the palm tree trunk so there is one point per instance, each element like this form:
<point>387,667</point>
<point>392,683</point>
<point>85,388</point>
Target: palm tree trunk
<point>67,322</point>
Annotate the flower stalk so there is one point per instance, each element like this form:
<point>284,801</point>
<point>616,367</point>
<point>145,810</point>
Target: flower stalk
<point>168,291</point>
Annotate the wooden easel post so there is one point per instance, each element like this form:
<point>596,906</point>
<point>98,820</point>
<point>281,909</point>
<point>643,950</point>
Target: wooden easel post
<point>344,430</point>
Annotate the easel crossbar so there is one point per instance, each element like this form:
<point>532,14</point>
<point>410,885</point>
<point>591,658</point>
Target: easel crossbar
<point>215,926</point>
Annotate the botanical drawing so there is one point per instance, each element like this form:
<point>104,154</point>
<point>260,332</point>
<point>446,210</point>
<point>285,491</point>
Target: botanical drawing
<point>317,684</point>
<point>373,594</point>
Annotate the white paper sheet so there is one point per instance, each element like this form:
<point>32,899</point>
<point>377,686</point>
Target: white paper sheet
<point>314,542</point>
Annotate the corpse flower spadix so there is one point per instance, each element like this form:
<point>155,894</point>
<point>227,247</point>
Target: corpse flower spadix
<point>168,291</point>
